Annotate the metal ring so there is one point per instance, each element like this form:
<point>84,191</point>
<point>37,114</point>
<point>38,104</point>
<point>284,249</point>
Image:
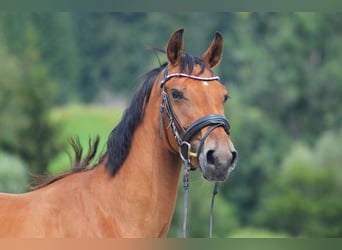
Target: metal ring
<point>189,153</point>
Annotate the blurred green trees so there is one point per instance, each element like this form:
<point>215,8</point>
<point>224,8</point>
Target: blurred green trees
<point>303,199</point>
<point>283,72</point>
<point>27,93</point>
<point>11,114</point>
<point>288,89</point>
<point>13,174</point>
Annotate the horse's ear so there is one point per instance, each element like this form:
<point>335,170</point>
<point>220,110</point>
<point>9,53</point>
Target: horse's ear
<point>175,47</point>
<point>213,54</point>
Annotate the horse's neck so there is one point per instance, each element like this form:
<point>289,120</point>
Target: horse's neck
<point>144,190</point>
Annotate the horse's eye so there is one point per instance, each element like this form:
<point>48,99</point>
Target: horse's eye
<point>177,95</point>
<point>226,97</point>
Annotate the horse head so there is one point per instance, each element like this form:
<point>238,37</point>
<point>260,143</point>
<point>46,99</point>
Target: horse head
<point>193,101</point>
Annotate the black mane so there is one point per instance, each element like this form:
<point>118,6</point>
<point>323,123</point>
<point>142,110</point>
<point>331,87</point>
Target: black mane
<point>120,139</point>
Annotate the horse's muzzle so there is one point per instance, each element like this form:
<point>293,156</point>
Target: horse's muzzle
<point>216,164</point>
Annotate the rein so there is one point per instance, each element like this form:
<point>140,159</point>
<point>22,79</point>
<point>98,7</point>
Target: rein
<point>213,120</point>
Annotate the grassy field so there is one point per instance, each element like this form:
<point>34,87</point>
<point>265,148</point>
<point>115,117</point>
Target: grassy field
<point>84,122</point>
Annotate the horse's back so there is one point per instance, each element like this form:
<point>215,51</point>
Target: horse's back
<point>13,208</point>
<point>27,215</point>
<point>62,209</point>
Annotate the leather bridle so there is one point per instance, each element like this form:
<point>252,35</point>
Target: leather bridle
<point>183,135</point>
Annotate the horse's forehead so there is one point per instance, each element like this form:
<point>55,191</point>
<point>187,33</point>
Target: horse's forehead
<point>207,86</point>
<point>205,83</point>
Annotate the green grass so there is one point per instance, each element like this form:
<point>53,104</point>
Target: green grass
<point>84,122</point>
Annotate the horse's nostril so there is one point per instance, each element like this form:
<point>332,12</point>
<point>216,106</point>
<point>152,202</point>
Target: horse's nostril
<point>211,157</point>
<point>234,157</point>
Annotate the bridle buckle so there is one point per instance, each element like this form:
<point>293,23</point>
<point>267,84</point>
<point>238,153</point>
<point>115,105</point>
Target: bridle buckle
<point>185,151</point>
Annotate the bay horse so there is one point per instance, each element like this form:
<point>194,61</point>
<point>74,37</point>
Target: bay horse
<point>131,191</point>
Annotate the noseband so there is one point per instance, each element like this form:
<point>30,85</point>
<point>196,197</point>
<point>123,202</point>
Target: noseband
<point>184,136</point>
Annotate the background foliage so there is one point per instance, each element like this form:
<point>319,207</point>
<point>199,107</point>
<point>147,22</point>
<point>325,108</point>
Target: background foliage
<point>284,75</point>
